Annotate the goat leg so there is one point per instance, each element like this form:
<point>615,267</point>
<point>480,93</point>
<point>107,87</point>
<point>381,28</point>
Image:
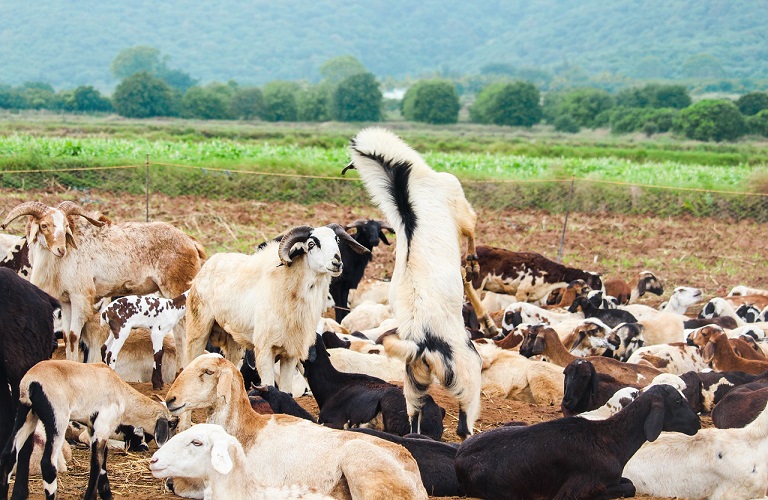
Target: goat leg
<point>485,318</point>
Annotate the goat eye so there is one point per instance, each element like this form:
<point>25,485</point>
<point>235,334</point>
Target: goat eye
<point>311,245</point>
<point>195,442</point>
<point>209,372</point>
<point>43,226</point>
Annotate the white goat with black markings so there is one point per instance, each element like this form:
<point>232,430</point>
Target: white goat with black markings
<point>80,263</point>
<point>56,391</point>
<point>430,215</point>
<point>269,301</point>
<point>158,314</point>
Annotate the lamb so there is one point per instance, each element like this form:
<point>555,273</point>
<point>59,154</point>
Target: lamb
<point>627,293</point>
<point>563,459</point>
<point>26,336</point>
<point>681,299</point>
<point>715,463</point>
<point>78,264</point>
<point>354,399</point>
<point>368,233</point>
<point>56,391</point>
<point>430,215</point>
<point>157,314</point>
<point>344,464</point>
<point>269,301</point>
<point>718,352</point>
<point>208,452</point>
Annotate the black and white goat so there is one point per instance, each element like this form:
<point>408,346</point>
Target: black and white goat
<point>430,215</point>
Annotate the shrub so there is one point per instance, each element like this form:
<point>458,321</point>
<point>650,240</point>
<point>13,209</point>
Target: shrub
<point>586,105</point>
<point>280,101</point>
<point>247,103</point>
<point>313,104</point>
<point>654,95</point>
<point>141,95</point>
<point>565,123</point>
<point>357,99</point>
<point>434,101</point>
<point>514,104</point>
<point>758,124</point>
<point>87,99</point>
<point>712,120</point>
<point>752,103</point>
<point>206,104</point>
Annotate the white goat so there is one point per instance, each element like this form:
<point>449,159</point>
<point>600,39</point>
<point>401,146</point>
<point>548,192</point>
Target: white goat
<point>430,215</point>
<point>745,290</point>
<point>80,263</point>
<point>365,316</point>
<point>677,358</point>
<point>713,463</point>
<point>208,452</point>
<point>157,314</point>
<point>269,301</point>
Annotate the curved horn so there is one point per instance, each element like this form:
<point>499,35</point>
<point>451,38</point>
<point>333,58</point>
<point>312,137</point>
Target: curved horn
<point>343,235</point>
<point>295,235</point>
<point>355,224</point>
<point>385,225</point>
<point>70,208</point>
<point>33,208</point>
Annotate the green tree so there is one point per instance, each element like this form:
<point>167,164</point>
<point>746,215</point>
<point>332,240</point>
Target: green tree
<point>712,120</point>
<point>206,103</point>
<point>11,98</point>
<point>431,101</point>
<point>280,101</point>
<point>142,96</point>
<point>702,66</point>
<point>313,104</point>
<point>357,99</point>
<point>752,103</point>
<point>758,124</point>
<point>565,123</point>
<point>176,78</point>
<point>337,69</point>
<point>586,105</point>
<point>132,60</point>
<point>87,99</point>
<point>247,103</point>
<point>514,104</point>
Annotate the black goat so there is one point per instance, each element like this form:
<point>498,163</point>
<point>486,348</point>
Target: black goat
<point>740,406</point>
<point>584,389</point>
<point>26,337</point>
<point>713,386</point>
<point>353,399</point>
<point>435,460</point>
<point>278,401</point>
<point>571,457</point>
<point>611,317</point>
<point>369,233</point>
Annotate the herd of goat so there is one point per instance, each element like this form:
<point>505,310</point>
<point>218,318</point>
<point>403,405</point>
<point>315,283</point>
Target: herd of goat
<point>239,336</point>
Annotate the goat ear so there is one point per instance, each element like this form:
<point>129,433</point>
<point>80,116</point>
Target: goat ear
<point>654,422</point>
<point>162,431</point>
<point>383,238</point>
<point>580,338</point>
<point>539,345</point>
<point>220,458</point>
<point>34,228</point>
<point>71,238</point>
<point>250,359</point>
<point>595,381</point>
<point>224,385</point>
<point>298,250</point>
<point>708,352</point>
<point>312,355</point>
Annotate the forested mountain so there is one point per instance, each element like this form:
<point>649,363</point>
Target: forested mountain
<point>70,43</point>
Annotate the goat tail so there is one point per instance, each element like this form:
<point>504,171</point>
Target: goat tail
<point>386,164</point>
<point>406,350</point>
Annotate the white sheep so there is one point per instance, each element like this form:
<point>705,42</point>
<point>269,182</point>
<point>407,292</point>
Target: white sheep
<point>372,289</point>
<point>56,391</point>
<point>80,263</point>
<point>158,314</point>
<point>365,316</point>
<point>714,463</point>
<point>430,215</point>
<point>209,453</point>
<point>269,301</point>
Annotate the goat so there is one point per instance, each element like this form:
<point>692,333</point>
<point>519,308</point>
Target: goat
<point>26,336</point>
<point>715,463</point>
<point>281,446</point>
<point>526,275</point>
<point>745,290</point>
<point>626,339</point>
<point>269,301</point>
<point>208,452</point>
<point>15,256</point>
<point>623,397</point>
<point>157,314</point>
<point>677,358</point>
<point>709,388</point>
<point>626,293</point>
<point>368,233</point>
<point>279,402</point>
<point>562,458</point>
<point>718,352</point>
<point>584,389</point>
<point>365,316</point>
<point>430,215</point>
<point>56,391</point>
<point>77,264</point>
<point>374,365</point>
<point>611,317</point>
<point>354,399</point>
<point>740,406</point>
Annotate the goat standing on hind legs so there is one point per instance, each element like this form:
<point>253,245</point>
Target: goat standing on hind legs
<point>430,215</point>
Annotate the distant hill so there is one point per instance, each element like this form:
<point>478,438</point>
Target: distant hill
<point>70,43</point>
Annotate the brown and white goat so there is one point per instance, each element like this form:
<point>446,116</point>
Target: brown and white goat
<point>719,353</point>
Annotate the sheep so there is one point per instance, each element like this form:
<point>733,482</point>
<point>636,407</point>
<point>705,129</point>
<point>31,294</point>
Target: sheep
<point>522,312</point>
<point>56,391</point>
<point>493,301</point>
<point>570,457</point>
<point>745,290</point>
<point>157,314</point>
<point>611,317</point>
<point>602,301</point>
<point>711,387</point>
<point>430,215</point>
<point>366,316</point>
<point>78,263</point>
<point>740,406</point>
<point>354,399</point>
<point>626,339</point>
<point>136,363</point>
<point>677,358</point>
<point>563,297</point>
<point>627,293</point>
<point>718,352</point>
<point>717,307</point>
<point>715,463</point>
<point>368,233</point>
<point>279,402</point>
<point>26,337</point>
<point>209,453</point>
<point>526,275</point>
<point>623,397</point>
<point>269,301</point>
<point>512,376</point>
<point>544,340</point>
<point>15,255</point>
<point>748,313</point>
<point>584,389</point>
<point>373,289</point>
<point>280,446</point>
<point>681,299</point>
<point>590,338</point>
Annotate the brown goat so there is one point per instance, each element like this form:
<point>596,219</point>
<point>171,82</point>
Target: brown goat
<point>719,353</point>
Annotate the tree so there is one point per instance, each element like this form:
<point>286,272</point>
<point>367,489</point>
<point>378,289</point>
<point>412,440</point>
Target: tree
<point>752,103</point>
<point>712,120</point>
<point>357,99</point>
<point>313,104</point>
<point>87,99</point>
<point>431,101</point>
<point>514,104</point>
<point>247,103</point>
<point>132,60</point>
<point>143,96</point>
<point>585,105</point>
<point>702,66</point>
<point>337,69</point>
<point>280,101</point>
<point>206,103</point>
<point>565,123</point>
<point>758,124</point>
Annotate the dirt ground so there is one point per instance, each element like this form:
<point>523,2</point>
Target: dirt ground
<point>711,254</point>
